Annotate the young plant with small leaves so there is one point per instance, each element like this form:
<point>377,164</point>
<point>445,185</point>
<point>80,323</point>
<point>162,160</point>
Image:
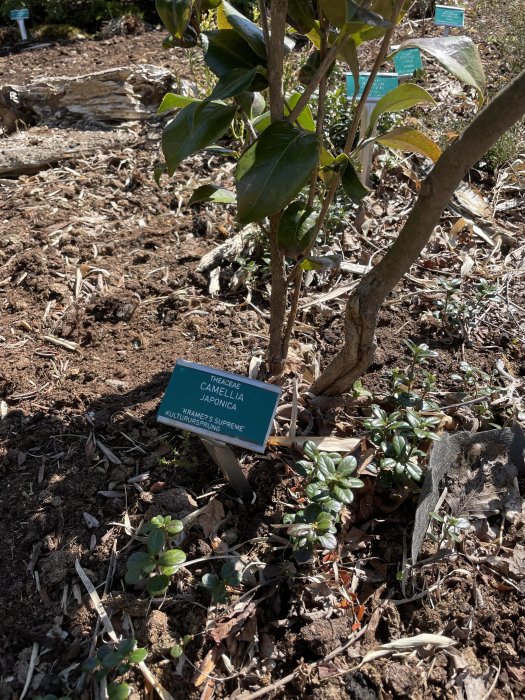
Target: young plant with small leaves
<point>113,660</point>
<point>230,577</point>
<point>328,488</point>
<point>154,567</point>
<point>457,310</point>
<point>452,527</point>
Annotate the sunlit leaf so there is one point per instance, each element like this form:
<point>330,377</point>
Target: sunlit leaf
<point>402,97</point>
<point>273,170</point>
<point>212,193</point>
<point>189,133</point>
<point>173,101</point>
<point>405,138</point>
<point>458,55</point>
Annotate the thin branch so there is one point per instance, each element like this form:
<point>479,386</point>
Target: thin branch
<point>314,83</point>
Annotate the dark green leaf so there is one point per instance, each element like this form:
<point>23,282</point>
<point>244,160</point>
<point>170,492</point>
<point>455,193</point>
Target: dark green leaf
<point>219,593</point>
<point>90,665</point>
<point>352,185</point>
<point>343,495</point>
<point>273,170</point>
<point>173,101</point>
<point>328,541</point>
<point>137,656</point>
<point>189,132</point>
<point>297,229</point>
<point>139,559</point>
<point>211,193</point>
<point>326,465</point>
<point>157,585</point>
<point>347,466</point>
<point>155,542</point>
<point>225,50</point>
<point>126,646</point>
<point>233,83</point>
<point>172,557</point>
<point>114,658</point>
<point>249,31</point>
<point>210,581</point>
<point>118,691</point>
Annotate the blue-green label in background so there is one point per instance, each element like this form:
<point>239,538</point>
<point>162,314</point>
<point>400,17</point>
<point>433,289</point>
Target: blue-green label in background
<point>446,16</point>
<point>219,405</point>
<point>19,14</point>
<point>408,61</point>
<point>383,83</point>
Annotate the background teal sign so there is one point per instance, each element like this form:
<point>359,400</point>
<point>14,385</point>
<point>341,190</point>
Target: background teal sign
<point>219,405</point>
<point>19,14</point>
<point>446,16</point>
<point>408,61</point>
<point>383,83</point>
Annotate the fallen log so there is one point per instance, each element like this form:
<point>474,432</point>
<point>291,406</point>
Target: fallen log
<point>116,95</point>
<point>27,152</point>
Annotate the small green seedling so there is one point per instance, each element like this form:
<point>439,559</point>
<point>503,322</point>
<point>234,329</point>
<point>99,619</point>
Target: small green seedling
<point>230,576</point>
<point>155,566</point>
<point>311,527</point>
<point>452,527</point>
<point>116,660</point>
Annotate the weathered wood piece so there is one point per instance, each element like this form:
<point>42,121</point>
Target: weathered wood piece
<point>28,152</point>
<point>116,95</point>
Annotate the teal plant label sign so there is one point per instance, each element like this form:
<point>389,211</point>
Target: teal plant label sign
<point>383,83</point>
<point>446,16</point>
<point>408,61</point>
<point>219,405</point>
<point>19,14</point>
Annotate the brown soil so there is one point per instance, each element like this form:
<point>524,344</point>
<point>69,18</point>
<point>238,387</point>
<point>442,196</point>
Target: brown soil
<point>94,253</point>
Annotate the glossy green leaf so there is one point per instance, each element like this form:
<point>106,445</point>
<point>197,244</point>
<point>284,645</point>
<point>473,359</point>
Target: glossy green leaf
<point>212,193</point>
<point>253,103</point>
<point>404,138</point>
<point>140,560</point>
<point>357,12</point>
<point>225,50</point>
<point>297,229</point>
<point>118,691</point>
<point>458,55</point>
<point>347,466</point>
<point>174,526</point>
<point>249,31</point>
<point>402,97</point>
<point>189,133</point>
<point>172,557</point>
<point>155,541</point>
<point>343,495</point>
<point>137,656</point>
<point>235,82</point>
<point>302,15</point>
<point>176,651</point>
<point>273,170</point>
<point>157,585</point>
<point>173,101</point>
<point>175,15</point>
<point>328,541</point>
<point>352,185</point>
<point>126,646</point>
<point>305,119</point>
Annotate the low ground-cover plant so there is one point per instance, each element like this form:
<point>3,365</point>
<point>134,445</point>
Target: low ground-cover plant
<point>327,488</point>
<point>459,310</point>
<point>154,567</point>
<point>113,660</point>
<point>230,577</point>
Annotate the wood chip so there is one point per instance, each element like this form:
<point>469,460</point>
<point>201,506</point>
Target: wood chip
<point>327,444</point>
<point>60,342</point>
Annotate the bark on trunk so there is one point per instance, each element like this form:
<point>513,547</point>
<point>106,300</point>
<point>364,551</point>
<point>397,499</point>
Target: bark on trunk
<point>437,189</point>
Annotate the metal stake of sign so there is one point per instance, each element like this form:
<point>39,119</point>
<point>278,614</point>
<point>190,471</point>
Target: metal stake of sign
<point>446,31</point>
<point>366,154</point>
<point>22,28</point>
<point>223,456</point>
